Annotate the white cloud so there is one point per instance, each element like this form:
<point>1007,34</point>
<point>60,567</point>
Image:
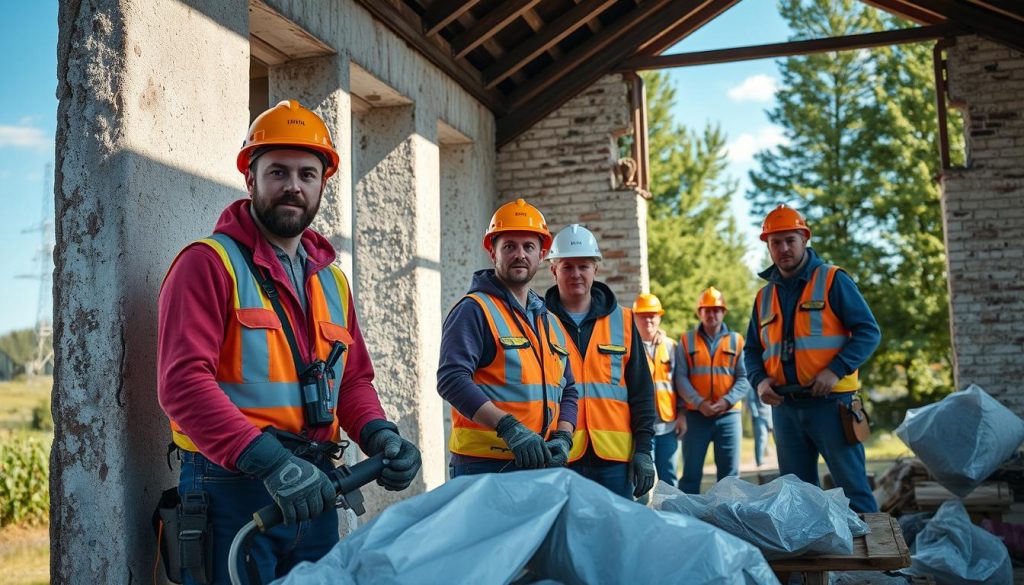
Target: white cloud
<point>756,88</point>
<point>743,148</point>
<point>23,137</point>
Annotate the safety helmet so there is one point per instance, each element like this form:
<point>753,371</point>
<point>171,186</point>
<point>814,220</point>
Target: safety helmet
<point>574,241</point>
<point>518,216</point>
<point>710,298</point>
<point>289,124</point>
<point>784,219</point>
<point>647,303</point>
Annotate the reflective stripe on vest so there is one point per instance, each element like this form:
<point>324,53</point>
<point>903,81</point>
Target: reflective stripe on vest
<point>256,369</point>
<point>660,365</point>
<point>515,380</point>
<point>603,404</point>
<point>818,334</point>
<point>712,376</point>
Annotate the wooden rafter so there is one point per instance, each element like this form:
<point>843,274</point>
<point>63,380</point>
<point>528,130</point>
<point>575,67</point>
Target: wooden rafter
<point>585,52</point>
<point>907,11</point>
<point>790,48</point>
<point>686,27</point>
<point>490,25</point>
<point>406,25</point>
<point>536,24</point>
<point>548,37</point>
<point>444,13</point>
<point>1011,8</point>
<point>992,25</point>
<point>553,87</point>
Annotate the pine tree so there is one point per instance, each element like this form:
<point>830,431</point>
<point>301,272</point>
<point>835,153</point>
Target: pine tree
<point>692,238</point>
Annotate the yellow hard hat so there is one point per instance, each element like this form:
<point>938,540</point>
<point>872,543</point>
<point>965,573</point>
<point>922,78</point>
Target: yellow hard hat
<point>518,216</point>
<point>647,303</point>
<point>710,298</point>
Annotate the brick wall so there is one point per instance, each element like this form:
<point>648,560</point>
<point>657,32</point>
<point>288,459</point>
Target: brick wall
<point>564,166</point>
<point>984,220</point>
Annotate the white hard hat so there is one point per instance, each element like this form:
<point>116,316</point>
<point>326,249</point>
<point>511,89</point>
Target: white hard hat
<point>574,241</point>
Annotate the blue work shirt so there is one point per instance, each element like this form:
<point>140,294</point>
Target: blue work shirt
<point>846,302</point>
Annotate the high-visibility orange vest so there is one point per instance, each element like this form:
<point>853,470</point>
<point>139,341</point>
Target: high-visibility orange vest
<point>660,365</point>
<point>712,376</point>
<point>600,379</point>
<point>818,334</point>
<point>256,369</point>
<point>526,372</point>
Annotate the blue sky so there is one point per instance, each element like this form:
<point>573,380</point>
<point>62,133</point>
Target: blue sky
<point>732,95</point>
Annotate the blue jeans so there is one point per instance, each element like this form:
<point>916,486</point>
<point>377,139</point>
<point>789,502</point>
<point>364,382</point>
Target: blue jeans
<point>726,430</point>
<point>665,447</point>
<point>805,428</point>
<point>614,476</point>
<point>233,499</point>
<point>760,428</point>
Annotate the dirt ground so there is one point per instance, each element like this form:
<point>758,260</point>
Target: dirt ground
<point>25,555</point>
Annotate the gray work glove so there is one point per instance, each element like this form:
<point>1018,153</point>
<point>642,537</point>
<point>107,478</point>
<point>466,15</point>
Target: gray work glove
<point>401,459</point>
<point>642,471</point>
<point>301,489</point>
<point>527,446</point>
<point>559,447</point>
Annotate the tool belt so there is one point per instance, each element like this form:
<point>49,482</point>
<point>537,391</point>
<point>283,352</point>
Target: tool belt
<point>855,421</point>
<point>184,535</point>
<point>304,448</point>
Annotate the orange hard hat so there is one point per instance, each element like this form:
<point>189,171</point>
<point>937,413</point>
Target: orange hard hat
<point>710,298</point>
<point>784,219</point>
<point>518,216</point>
<point>289,124</point>
<point>647,303</point>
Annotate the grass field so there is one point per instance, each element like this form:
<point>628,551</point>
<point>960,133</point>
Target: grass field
<point>24,551</point>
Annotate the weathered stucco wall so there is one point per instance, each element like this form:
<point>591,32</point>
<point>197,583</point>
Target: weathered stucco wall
<point>145,162</point>
<point>984,220</point>
<point>153,105</point>
<point>564,166</point>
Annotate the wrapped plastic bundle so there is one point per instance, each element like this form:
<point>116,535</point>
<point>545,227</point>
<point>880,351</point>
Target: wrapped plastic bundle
<point>956,552</point>
<point>783,518</point>
<point>545,524</point>
<point>962,438</point>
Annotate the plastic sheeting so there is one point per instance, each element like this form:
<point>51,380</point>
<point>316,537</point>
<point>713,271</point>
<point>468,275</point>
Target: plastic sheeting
<point>783,518</point>
<point>558,524</point>
<point>956,552</point>
<point>962,438</point>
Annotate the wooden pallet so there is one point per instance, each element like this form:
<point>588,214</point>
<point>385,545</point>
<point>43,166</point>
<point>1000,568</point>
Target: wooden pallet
<point>882,549</point>
<point>991,497</point>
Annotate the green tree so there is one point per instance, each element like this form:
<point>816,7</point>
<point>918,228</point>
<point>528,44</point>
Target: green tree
<point>20,345</point>
<point>692,238</point>
<point>859,163</point>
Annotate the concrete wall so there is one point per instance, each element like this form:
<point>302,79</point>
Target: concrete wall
<point>145,162</point>
<point>983,206</point>
<point>563,165</point>
<point>148,128</point>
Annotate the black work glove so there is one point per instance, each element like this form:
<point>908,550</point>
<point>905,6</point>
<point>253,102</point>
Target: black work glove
<point>559,447</point>
<point>301,489</point>
<point>402,459</point>
<point>527,446</point>
<point>642,470</point>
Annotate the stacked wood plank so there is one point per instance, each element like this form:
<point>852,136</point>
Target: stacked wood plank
<point>895,488</point>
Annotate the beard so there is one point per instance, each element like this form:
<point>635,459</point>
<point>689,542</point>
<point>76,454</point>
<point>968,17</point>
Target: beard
<point>284,223</point>
<point>516,277</point>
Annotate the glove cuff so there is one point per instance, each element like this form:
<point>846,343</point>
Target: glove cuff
<point>370,429</point>
<point>505,424</point>
<point>262,455</point>
<point>375,442</point>
<point>565,435</point>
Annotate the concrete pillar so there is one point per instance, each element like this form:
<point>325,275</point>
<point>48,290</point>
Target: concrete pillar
<point>321,84</point>
<point>145,162</point>
<point>397,275</point>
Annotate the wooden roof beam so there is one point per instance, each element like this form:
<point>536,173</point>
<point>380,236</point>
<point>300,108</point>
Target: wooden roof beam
<point>1011,8</point>
<point>406,24</point>
<point>443,13</point>
<point>588,62</point>
<point>907,11</point>
<point>685,28</point>
<point>791,48</point>
<point>546,39</point>
<point>992,25</point>
<point>490,25</point>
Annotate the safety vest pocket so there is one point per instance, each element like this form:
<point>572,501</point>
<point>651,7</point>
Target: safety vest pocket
<point>812,306</point>
<point>334,332</point>
<point>612,349</point>
<point>510,342</point>
<point>766,320</point>
<point>256,318</point>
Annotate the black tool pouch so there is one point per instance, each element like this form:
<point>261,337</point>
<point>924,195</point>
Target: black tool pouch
<point>165,528</point>
<point>195,536</point>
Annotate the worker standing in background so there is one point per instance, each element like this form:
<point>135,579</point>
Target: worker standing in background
<point>810,329</point>
<point>504,365</point>
<point>669,427</point>
<point>613,440</point>
<point>711,378</point>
